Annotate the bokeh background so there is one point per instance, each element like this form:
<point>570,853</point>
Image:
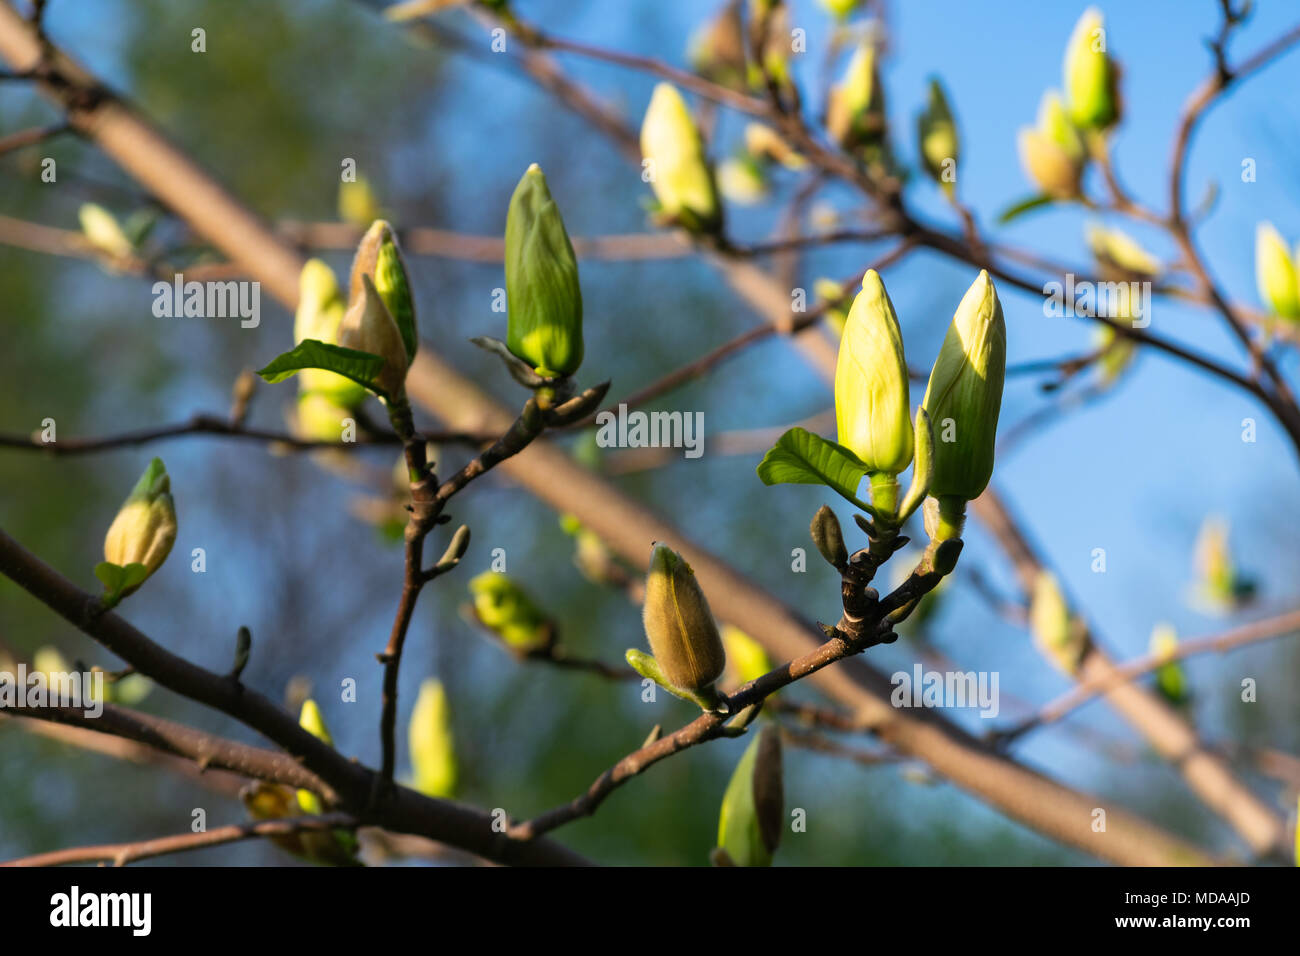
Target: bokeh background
<point>286,90</point>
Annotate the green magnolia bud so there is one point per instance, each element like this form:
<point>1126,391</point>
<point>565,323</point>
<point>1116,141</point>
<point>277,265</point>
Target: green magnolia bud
<point>145,527</point>
<point>1091,86</point>
<point>320,312</point>
<point>357,202</point>
<point>433,750</point>
<point>937,137</point>
<point>675,162</point>
<point>310,720</point>
<point>753,808</point>
<point>1052,153</point>
<point>871,397</point>
<point>505,608</point>
<point>679,625</point>
<point>368,326</point>
<point>1275,273</point>
<point>746,658</point>
<point>964,395</point>
<point>102,231</point>
<point>855,109</point>
<point>1220,584</point>
<point>379,257</point>
<point>1170,679</point>
<point>542,290</point>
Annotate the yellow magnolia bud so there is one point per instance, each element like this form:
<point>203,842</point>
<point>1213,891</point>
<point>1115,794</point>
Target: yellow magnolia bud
<point>1170,679</point>
<point>1275,273</point>
<point>1119,256</point>
<point>1221,586</point>
<point>964,395</point>
<point>357,202</point>
<point>741,180</point>
<point>102,231</point>
<point>505,608</point>
<point>840,9</point>
<point>746,658</point>
<point>679,625</point>
<point>145,527</point>
<point>50,662</point>
<point>1091,86</point>
<point>318,418</point>
<point>1052,153</point>
<point>676,165</point>
<point>1117,352</point>
<point>368,326</point>
<point>937,137</point>
<point>319,314</point>
<point>310,720</point>
<point>871,396</point>
<point>433,750</point>
<point>765,143</point>
<point>753,808</point>
<point>1052,625</point>
<point>855,109</point>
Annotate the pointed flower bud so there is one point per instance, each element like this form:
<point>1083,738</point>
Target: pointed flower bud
<point>675,162</point>
<point>433,749</point>
<point>679,624</point>
<point>964,395</point>
<point>746,658</point>
<point>1170,679</point>
<point>1275,273</point>
<point>145,527</point>
<point>763,142</point>
<point>102,230</point>
<point>753,807</point>
<point>310,720</point>
<point>505,608</point>
<point>379,257</point>
<point>937,137</point>
<point>855,110</point>
<point>1220,584</point>
<point>1091,79</point>
<point>368,326</point>
<point>542,291</point>
<point>357,202</point>
<point>871,397</point>
<point>741,180</point>
<point>717,49</point>
<point>320,312</point>
<point>1053,626</point>
<point>1052,153</point>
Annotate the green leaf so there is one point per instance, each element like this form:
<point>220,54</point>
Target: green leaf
<point>1018,209</point>
<point>801,458</point>
<point>119,579</point>
<point>360,367</point>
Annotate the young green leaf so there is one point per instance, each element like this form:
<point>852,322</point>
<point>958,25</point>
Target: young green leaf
<point>801,458</point>
<point>360,367</point>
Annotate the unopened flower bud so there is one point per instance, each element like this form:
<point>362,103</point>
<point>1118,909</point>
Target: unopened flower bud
<point>1053,626</point>
<point>964,395</point>
<point>320,312</point>
<point>379,257</point>
<point>1119,256</point>
<point>368,326</point>
<point>310,720</point>
<point>102,230</point>
<point>1220,584</point>
<point>1170,679</point>
<point>357,202</point>
<point>1052,153</point>
<point>829,538</point>
<point>871,397</point>
<point>1275,273</point>
<point>675,162</point>
<point>716,50</point>
<point>855,110</point>
<point>753,807</point>
<point>542,291</point>
<point>741,180</point>
<point>433,749</point>
<point>679,625</point>
<point>145,527</point>
<point>937,137</point>
<point>1091,79</point>
<point>746,658</point>
<point>506,609</point>
<point>763,142</point>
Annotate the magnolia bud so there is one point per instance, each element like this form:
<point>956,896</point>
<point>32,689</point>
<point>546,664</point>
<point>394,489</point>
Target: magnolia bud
<point>717,49</point>
<point>102,231</point>
<point>320,312</point>
<point>679,173</point>
<point>542,291</point>
<point>965,394</point>
<point>1052,153</point>
<point>855,110</point>
<point>505,608</point>
<point>871,397</point>
<point>1052,625</point>
<point>1119,256</point>
<point>840,9</point>
<point>679,625</point>
<point>937,137</point>
<point>368,326</point>
<point>746,658</point>
<point>310,720</point>
<point>1220,585</point>
<point>1170,679</point>
<point>763,142</point>
<point>753,808</point>
<point>433,750</point>
<point>742,180</point>
<point>1275,273</point>
<point>379,257</point>
<point>357,202</point>
<point>145,527</point>
<point>1091,80</point>
<point>829,538</point>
